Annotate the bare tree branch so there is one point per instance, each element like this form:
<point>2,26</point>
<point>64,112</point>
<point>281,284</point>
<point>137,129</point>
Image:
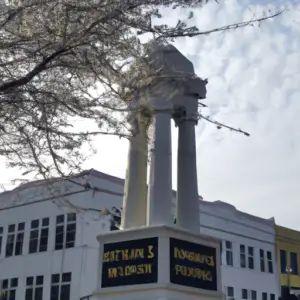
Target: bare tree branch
<point>63,62</point>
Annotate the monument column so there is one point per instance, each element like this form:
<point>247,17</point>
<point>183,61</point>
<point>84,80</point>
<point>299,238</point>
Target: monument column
<point>135,189</point>
<point>188,214</point>
<point>160,180</point>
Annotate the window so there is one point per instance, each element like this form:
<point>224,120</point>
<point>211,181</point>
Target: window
<point>229,292</point>
<point>253,295</point>
<point>65,231</point>
<point>264,296</point>
<point>272,296</point>
<point>262,260</point>
<point>229,253</point>
<point>1,238</point>
<point>38,241</point>
<point>294,263</point>
<point>242,256</point>
<point>283,261</point>
<point>250,257</point>
<point>270,261</point>
<point>61,286</point>
<point>244,294</point>
<point>15,237</point>
<point>9,288</point>
<point>34,288</point>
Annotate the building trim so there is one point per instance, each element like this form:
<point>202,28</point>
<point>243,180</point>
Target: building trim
<point>238,234</point>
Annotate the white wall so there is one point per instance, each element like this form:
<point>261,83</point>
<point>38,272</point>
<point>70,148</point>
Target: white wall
<point>28,203</point>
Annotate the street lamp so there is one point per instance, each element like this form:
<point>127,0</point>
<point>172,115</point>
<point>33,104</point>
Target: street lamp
<point>288,271</point>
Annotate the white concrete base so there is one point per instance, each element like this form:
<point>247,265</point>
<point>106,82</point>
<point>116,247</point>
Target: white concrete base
<point>162,288</point>
<point>154,292</point>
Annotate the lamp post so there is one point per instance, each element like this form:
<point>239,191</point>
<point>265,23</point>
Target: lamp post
<point>288,271</point>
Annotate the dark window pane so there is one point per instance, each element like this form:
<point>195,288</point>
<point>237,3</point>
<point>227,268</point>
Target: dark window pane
<point>244,294</point>
<point>262,265</point>
<point>39,293</point>
<point>250,263</point>
<point>264,296</point>
<point>5,284</point>
<point>294,263</point>
<point>0,243</point>
<point>43,247</point>
<point>11,228</point>
<point>4,296</point>
<point>59,239</point>
<point>243,260</point>
<point>60,219</point>
<point>54,293</point>
<point>71,236</point>
<point>270,266</point>
<point>33,244</point>
<point>253,295</point>
<point>45,222</point>
<point>11,238</point>
<point>34,224</point>
<point>21,226</point>
<point>12,295</point>
<point>66,277</point>
<point>71,227</point>
<point>229,258</point>
<point>44,232</point>
<point>272,296</point>
<point>55,278</point>
<point>65,292</point>
<point>71,217</point>
<point>283,262</point>
<point>269,255</point>
<point>230,291</point>
<point>58,246</point>
<point>20,237</point>
<point>70,244</point>
<point>1,230</point>
<point>228,245</point>
<point>34,234</point>
<point>39,280</point>
<point>10,245</point>
<point>250,251</point>
<point>242,248</point>
<point>60,229</point>
<point>29,294</point>
<point>14,282</point>
<point>261,253</point>
<point>29,281</point>
<point>19,244</point>
<point>44,240</point>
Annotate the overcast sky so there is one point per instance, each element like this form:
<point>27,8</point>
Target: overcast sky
<point>254,83</point>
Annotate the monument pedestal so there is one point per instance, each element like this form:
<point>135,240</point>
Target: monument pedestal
<point>158,263</point>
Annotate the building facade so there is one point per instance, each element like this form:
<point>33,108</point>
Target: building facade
<point>48,243</point>
<point>288,251</point>
<point>48,246</point>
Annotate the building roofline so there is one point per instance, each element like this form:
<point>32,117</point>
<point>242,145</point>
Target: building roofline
<point>219,203</point>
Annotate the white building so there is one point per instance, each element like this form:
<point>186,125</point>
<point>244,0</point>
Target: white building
<point>249,269</point>
<point>48,240</point>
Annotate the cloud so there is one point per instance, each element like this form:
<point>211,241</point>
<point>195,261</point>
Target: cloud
<point>254,84</point>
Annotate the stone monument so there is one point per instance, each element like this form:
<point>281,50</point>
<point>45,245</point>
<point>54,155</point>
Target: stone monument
<point>151,258</point>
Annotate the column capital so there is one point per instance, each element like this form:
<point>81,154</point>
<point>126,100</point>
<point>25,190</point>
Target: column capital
<point>180,115</point>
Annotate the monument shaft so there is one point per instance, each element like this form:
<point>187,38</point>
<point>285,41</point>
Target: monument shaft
<point>135,189</point>
<point>187,212</point>
<point>160,181</point>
